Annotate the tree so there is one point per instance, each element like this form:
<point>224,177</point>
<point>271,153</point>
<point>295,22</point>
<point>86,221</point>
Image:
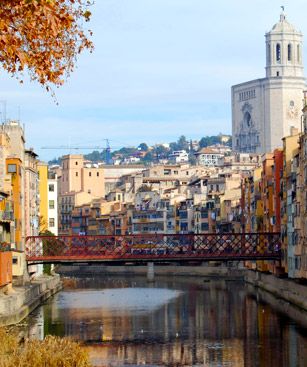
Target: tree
<point>192,159</point>
<point>161,151</point>
<point>95,156</point>
<point>143,147</point>
<point>209,140</point>
<point>44,37</point>
<point>182,143</point>
<point>149,157</point>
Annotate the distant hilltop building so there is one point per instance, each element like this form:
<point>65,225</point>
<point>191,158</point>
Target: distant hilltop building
<point>265,110</point>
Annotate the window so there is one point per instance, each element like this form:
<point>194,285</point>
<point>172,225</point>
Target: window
<point>77,173</point>
<point>298,53</point>
<point>51,222</point>
<point>278,53</point>
<point>277,74</point>
<point>97,174</point>
<point>76,163</point>
<point>51,204</point>
<point>289,52</point>
<point>247,119</point>
<point>51,187</point>
<point>11,168</point>
<point>269,53</point>
<point>90,174</point>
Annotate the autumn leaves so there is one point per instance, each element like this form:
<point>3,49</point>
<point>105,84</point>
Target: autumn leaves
<point>44,37</point>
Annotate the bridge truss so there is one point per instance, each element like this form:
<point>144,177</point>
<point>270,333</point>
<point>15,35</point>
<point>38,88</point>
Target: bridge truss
<point>142,248</point>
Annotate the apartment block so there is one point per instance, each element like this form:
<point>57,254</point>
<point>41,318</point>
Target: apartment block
<point>31,194</point>
<point>14,169</point>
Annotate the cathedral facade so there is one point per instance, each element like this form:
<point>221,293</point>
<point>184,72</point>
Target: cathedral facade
<point>264,110</point>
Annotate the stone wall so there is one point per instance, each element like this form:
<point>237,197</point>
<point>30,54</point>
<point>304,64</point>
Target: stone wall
<point>16,305</point>
<point>285,289</point>
<point>171,270</point>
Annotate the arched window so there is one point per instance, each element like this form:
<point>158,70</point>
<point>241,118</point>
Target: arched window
<point>247,119</point>
<point>289,52</point>
<point>278,53</point>
<point>298,53</point>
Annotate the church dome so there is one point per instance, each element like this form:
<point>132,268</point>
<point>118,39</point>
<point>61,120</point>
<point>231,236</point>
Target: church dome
<point>283,26</point>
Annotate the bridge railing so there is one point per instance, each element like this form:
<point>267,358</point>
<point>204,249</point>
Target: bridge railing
<point>155,246</point>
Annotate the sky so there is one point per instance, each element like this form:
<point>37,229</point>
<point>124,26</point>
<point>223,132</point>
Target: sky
<point>160,69</point>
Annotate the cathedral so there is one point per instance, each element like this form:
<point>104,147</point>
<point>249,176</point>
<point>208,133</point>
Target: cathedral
<point>264,110</point>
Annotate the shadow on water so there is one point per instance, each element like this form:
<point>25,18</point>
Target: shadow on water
<point>125,321</point>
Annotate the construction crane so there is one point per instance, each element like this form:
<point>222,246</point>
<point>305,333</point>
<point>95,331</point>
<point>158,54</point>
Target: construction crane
<point>107,149</point>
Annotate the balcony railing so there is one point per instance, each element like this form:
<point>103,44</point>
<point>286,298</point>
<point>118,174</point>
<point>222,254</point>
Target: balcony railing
<point>7,215</point>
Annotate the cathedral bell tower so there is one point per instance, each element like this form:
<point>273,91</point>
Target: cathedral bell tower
<point>265,110</point>
<point>284,50</point>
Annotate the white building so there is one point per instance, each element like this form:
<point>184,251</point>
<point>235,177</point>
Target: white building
<point>264,110</point>
<point>53,203</point>
<point>209,157</point>
<point>131,160</point>
<point>179,156</point>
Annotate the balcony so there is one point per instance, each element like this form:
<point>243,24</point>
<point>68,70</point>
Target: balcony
<point>6,215</point>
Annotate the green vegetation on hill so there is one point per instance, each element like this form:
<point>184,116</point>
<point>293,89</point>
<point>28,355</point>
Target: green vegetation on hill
<point>149,155</point>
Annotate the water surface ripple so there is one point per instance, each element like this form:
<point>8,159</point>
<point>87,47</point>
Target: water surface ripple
<point>172,322</point>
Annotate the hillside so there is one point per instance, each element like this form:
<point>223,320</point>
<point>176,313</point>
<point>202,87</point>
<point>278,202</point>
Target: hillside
<point>145,154</point>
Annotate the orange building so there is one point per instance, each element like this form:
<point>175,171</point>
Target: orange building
<point>267,191</point>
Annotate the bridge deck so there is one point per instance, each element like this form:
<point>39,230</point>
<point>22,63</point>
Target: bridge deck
<point>157,248</point>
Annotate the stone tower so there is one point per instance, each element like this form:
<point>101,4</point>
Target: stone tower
<point>264,110</point>
<point>284,50</point>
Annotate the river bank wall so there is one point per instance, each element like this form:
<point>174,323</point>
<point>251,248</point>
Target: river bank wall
<point>22,300</point>
<point>282,288</point>
<point>159,270</point>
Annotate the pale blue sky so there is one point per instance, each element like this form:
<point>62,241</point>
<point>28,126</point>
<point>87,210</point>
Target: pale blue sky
<point>160,69</point>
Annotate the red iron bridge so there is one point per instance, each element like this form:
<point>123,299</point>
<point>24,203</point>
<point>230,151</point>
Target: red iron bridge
<point>159,248</point>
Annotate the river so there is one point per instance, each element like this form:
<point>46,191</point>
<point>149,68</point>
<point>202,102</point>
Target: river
<point>126,321</point>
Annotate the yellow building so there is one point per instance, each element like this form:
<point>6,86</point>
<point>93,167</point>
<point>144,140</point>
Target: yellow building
<point>43,195</point>
<point>257,202</point>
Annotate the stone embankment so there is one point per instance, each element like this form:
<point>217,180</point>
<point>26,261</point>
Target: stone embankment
<point>21,300</point>
<point>284,289</point>
<point>159,270</point>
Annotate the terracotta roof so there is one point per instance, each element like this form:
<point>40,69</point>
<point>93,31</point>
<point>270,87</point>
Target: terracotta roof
<point>208,151</point>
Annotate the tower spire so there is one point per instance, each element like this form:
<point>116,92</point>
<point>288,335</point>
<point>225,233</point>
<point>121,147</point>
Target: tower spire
<point>282,15</point>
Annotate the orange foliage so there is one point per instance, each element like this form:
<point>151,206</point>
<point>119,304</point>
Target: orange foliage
<point>44,37</point>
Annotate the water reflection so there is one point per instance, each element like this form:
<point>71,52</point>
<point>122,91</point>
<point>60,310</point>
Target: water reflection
<point>173,323</point>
